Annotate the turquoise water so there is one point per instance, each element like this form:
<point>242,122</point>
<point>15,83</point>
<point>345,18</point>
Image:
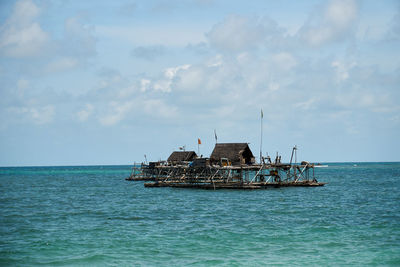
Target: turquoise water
<point>91,216</point>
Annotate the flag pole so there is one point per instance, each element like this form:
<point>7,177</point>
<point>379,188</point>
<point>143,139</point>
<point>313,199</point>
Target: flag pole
<point>262,115</point>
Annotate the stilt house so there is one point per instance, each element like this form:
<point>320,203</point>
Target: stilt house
<point>234,153</point>
<point>178,157</point>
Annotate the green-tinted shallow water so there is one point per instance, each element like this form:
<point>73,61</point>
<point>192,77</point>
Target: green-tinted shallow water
<point>75,216</point>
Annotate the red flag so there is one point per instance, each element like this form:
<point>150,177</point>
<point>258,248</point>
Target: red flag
<point>198,141</point>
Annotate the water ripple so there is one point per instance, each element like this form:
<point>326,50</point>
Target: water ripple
<point>73,216</point>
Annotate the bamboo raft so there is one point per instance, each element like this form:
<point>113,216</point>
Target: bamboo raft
<point>255,176</point>
<point>233,185</point>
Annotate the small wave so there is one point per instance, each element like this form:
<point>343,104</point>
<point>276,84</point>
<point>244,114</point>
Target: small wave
<point>131,218</point>
<point>91,259</point>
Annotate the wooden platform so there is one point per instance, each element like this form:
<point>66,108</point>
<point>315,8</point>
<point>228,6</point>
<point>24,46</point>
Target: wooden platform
<point>243,176</point>
<point>231,185</point>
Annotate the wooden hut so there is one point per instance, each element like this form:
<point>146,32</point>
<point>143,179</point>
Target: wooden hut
<point>232,154</point>
<point>178,157</point>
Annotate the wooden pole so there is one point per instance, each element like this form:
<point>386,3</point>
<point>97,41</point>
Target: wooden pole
<point>262,115</point>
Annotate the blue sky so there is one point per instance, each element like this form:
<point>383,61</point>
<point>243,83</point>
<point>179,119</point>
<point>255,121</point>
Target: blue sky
<point>105,82</point>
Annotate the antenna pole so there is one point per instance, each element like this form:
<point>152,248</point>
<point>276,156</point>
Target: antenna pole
<point>262,115</point>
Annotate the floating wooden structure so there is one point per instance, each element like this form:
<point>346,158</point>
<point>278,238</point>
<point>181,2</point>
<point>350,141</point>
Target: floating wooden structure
<point>231,166</point>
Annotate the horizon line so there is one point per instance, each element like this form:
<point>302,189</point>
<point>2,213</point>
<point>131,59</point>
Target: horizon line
<point>109,165</point>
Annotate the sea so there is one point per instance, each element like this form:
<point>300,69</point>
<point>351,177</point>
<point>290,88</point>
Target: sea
<point>91,216</point>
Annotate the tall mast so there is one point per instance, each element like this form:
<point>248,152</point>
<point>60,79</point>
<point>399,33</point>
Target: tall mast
<point>262,115</point>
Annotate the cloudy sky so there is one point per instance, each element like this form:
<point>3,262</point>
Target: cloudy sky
<point>105,82</point>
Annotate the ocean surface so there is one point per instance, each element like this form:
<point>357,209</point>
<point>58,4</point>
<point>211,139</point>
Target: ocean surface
<point>91,216</point>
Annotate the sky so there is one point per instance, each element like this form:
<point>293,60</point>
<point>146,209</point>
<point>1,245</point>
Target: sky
<point>107,82</point>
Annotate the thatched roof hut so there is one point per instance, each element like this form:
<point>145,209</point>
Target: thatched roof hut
<point>236,153</point>
<point>181,156</point>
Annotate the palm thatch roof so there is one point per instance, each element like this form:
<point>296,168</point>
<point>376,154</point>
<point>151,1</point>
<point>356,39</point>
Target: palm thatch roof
<point>236,153</point>
<point>180,156</point>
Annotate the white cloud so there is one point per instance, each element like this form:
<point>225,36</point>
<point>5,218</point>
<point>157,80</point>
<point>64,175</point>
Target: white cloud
<point>146,35</point>
<point>236,33</point>
<point>79,38</point>
<point>42,115</point>
<point>206,78</point>
<point>217,60</point>
<point>284,61</point>
<point>273,86</point>
<point>220,80</point>
<point>149,52</point>
<point>22,84</point>
<point>365,99</point>
<point>61,64</point>
<point>127,9</point>
<point>332,23</point>
<point>116,112</point>
<point>306,105</point>
<point>111,77</point>
<point>36,115</point>
<point>158,108</point>
<point>394,30</point>
<point>342,70</point>
<point>169,74</point>
<point>341,13</point>
<point>144,85</point>
<point>395,119</point>
<point>191,78</point>
<point>84,114</point>
<point>22,36</point>
<point>24,12</point>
